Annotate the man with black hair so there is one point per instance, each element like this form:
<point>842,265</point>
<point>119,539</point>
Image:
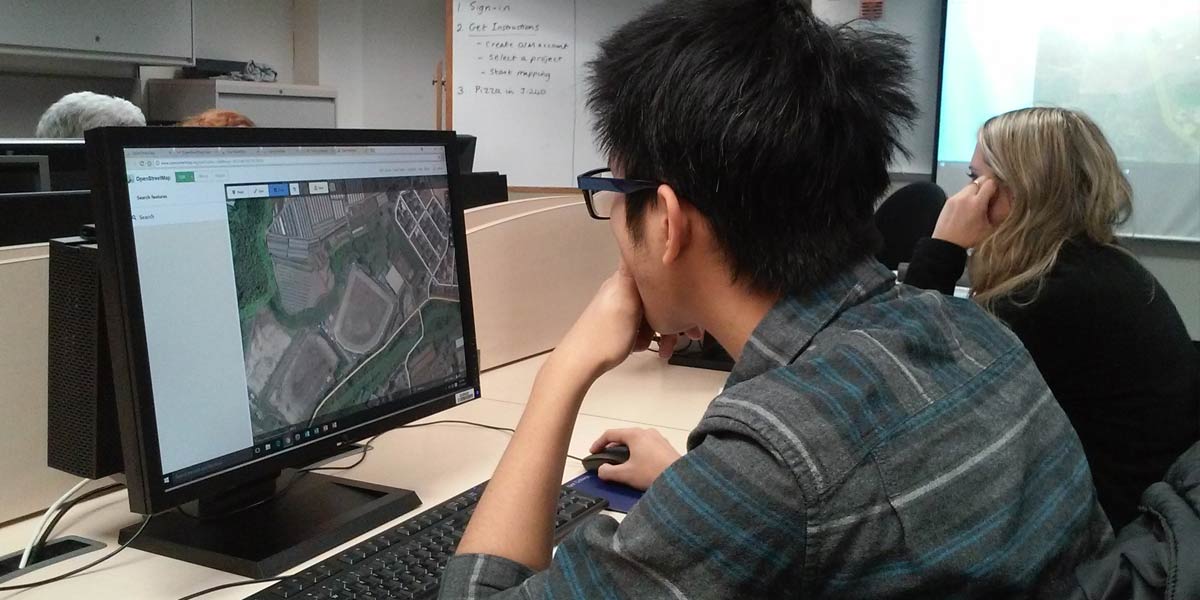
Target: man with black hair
<point>873,440</point>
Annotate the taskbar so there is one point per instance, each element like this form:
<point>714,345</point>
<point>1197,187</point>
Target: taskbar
<point>292,437</point>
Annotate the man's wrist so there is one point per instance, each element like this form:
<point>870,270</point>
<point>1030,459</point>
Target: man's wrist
<point>572,365</point>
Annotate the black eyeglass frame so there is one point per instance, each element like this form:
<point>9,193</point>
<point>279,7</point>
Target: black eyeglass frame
<point>589,184</point>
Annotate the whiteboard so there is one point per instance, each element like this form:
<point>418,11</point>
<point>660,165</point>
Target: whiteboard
<point>519,83</point>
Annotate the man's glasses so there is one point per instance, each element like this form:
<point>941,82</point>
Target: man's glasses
<point>600,191</point>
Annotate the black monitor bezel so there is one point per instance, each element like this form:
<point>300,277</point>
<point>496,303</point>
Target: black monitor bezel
<point>67,159</point>
<point>124,316</point>
<point>38,217</point>
<point>941,74</point>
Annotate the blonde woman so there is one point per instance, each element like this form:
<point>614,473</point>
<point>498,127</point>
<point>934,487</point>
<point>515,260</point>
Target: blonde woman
<point>1040,212</point>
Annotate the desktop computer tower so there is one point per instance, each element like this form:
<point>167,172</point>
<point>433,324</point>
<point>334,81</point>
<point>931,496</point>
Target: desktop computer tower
<point>83,438</point>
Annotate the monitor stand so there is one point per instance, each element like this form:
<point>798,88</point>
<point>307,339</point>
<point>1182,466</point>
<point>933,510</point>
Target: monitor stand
<point>710,356</point>
<point>248,533</point>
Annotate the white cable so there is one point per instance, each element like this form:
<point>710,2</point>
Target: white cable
<point>37,533</point>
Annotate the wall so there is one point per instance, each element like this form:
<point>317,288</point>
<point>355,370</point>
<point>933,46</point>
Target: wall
<point>340,56</point>
<point>242,30</point>
<point>1177,267</point>
<point>403,42</point>
<point>23,97</point>
<point>379,54</point>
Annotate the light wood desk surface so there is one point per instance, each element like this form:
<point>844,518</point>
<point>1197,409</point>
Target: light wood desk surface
<point>644,389</point>
<point>437,462</point>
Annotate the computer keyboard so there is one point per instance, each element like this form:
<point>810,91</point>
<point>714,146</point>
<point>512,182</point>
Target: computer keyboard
<point>407,561</point>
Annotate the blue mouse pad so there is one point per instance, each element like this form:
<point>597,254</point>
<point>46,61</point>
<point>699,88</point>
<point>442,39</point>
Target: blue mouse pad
<point>620,497</point>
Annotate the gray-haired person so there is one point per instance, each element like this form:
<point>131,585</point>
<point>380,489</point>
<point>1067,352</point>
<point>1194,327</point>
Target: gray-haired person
<point>78,112</point>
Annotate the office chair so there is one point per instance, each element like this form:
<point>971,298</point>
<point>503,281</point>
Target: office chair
<point>906,216</point>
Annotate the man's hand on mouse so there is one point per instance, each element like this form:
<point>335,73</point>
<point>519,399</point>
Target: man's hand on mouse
<point>649,455</point>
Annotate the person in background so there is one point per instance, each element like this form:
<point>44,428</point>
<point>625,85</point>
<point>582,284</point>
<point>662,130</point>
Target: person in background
<point>217,117</point>
<point>78,112</point>
<point>873,440</point>
<point>1040,216</point>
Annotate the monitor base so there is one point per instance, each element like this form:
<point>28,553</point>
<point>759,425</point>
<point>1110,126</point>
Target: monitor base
<point>710,356</point>
<point>317,513</point>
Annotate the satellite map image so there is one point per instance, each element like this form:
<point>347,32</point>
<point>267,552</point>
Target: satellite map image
<point>347,294</point>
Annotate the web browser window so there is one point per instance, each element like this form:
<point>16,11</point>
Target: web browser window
<point>289,292</point>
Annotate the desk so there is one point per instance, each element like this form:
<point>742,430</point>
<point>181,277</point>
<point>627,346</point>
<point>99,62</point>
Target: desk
<point>437,461</point>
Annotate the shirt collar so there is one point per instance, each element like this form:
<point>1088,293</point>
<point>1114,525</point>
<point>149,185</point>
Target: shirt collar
<point>790,325</point>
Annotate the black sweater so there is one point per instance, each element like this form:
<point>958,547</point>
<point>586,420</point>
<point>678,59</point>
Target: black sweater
<point>1112,348</point>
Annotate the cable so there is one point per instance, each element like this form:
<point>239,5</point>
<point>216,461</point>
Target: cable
<point>225,586</point>
<point>458,422</point>
<point>50,512</point>
<point>25,586</point>
<point>507,430</point>
<point>361,457</point>
<point>298,473</point>
<point>41,543</point>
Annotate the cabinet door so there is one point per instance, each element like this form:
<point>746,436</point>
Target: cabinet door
<point>143,31</point>
<point>283,111</point>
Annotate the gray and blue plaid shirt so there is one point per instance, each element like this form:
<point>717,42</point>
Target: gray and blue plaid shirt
<point>874,441</point>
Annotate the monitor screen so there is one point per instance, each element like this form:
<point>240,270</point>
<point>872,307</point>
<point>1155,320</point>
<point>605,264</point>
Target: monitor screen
<point>289,293</point>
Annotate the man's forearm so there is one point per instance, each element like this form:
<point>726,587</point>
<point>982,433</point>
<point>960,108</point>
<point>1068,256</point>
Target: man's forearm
<point>515,517</point>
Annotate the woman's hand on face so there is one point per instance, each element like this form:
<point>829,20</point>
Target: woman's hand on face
<point>965,219</point>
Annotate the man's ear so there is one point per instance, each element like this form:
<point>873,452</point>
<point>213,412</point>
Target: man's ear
<point>677,224</point>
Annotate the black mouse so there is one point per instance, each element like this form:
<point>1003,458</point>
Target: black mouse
<point>612,455</point>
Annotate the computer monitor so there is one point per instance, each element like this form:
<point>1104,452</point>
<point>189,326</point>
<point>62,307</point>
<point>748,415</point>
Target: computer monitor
<point>24,174</point>
<point>466,153</point>
<point>36,217</point>
<point>64,159</point>
<point>273,296</point>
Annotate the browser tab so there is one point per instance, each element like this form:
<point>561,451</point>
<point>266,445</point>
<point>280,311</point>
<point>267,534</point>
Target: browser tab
<point>142,152</point>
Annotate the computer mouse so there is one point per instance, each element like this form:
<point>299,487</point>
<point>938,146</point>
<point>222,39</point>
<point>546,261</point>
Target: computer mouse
<point>612,455</point>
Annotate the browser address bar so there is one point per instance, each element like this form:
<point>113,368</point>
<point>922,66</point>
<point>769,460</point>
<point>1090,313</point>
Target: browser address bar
<point>185,162</point>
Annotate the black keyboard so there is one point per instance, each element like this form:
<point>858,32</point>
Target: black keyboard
<point>406,561</point>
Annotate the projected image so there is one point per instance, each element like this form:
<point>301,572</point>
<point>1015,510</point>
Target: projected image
<point>1142,84</point>
<point>1131,66</point>
<point>347,294</point>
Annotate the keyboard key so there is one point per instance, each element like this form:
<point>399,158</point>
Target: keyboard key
<point>287,589</point>
<point>576,509</point>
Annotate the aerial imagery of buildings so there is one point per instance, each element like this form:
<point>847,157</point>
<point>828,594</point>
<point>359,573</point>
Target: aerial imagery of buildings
<point>348,295</point>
